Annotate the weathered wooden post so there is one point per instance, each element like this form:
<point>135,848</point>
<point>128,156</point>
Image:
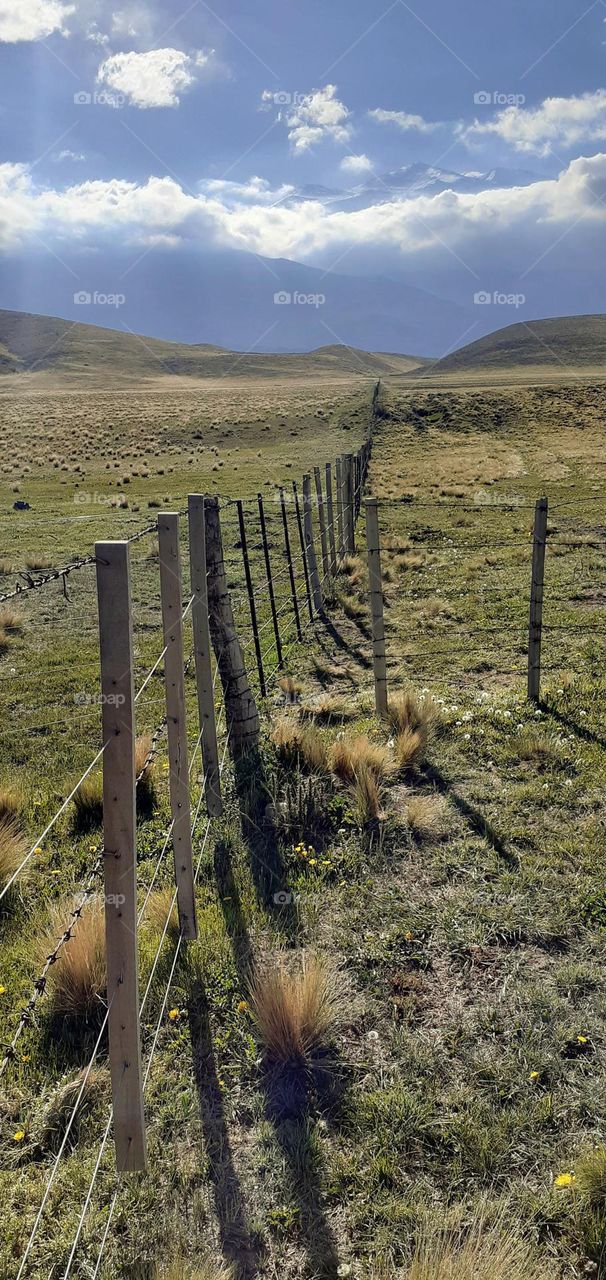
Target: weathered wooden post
<point>349,504</point>
<point>291,572</point>
<point>120,853</point>
<point>535,630</point>
<point>202,652</point>
<point>309,545</point>
<point>331,521</point>
<point>322,524</point>
<point>270,584</point>
<point>171,595</point>
<point>376,605</point>
<point>303,551</point>
<point>240,706</point>
<point>340,504</point>
<point>251,599</point>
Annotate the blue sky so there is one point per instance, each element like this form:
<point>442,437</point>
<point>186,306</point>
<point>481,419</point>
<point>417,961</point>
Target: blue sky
<point>192,127</point>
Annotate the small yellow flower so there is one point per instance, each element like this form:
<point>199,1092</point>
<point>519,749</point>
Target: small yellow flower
<point>313,862</point>
<point>2,991</point>
<point>243,1006</point>
<point>173,1014</point>
<point>534,1075</point>
<point>564,1180</point>
<point>19,1135</point>
<point>38,850</point>
<point>25,1057</point>
<point>55,873</point>
<point>582,1040</point>
<point>408,936</point>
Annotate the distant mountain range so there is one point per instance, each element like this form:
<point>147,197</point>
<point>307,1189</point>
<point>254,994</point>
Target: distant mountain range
<point>407,183</point>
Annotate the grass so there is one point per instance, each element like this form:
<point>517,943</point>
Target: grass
<point>77,981</point>
<point>350,755</point>
<point>181,1269</point>
<point>297,1013</point>
<point>13,848</point>
<point>471,933</point>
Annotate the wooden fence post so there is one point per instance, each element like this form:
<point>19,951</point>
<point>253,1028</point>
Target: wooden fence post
<point>291,572</point>
<point>270,584</point>
<point>251,599</point>
<point>309,545</point>
<point>376,605</point>
<point>240,706</point>
<point>303,553</point>
<point>340,521</point>
<point>349,504</point>
<point>171,593</point>
<point>535,629</point>
<point>330,513</point>
<point>120,853</point>
<point>204,676</point>
<point>322,524</point>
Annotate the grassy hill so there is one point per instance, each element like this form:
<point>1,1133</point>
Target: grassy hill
<point>566,341</point>
<point>87,353</point>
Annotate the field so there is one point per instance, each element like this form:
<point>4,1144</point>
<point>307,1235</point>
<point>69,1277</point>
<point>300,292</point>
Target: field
<point>454,886</point>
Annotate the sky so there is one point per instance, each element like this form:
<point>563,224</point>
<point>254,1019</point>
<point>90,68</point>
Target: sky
<point>185,128</point>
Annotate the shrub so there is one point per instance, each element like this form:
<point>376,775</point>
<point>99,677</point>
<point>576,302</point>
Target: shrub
<point>297,1014</point>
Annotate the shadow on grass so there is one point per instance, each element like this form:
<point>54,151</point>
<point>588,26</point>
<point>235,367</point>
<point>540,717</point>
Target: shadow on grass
<point>267,865</point>
<point>477,820</point>
<point>287,1098</point>
<point>587,735</point>
<point>238,1244</point>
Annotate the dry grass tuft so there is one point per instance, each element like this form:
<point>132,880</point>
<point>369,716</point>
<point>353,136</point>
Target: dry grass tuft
<point>349,755</point>
<point>427,817</point>
<point>590,1171</point>
<point>13,848</point>
<point>325,708</point>
<point>159,908</point>
<point>406,710</point>
<point>291,688</point>
<point>366,794</point>
<point>88,804</point>
<point>482,1253</point>
<point>410,747</point>
<point>300,745</point>
<point>297,1014</point>
<point>11,802</point>
<point>77,981</point>
<point>11,621</point>
<point>57,1114</point>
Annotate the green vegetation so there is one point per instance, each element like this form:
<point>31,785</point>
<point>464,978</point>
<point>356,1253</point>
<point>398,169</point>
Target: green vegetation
<point>383,1056</point>
<point>562,346</point>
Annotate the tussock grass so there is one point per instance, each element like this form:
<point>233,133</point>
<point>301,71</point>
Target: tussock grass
<point>481,1253</point>
<point>537,746</point>
<point>427,817</point>
<point>291,688</point>
<point>58,1111</point>
<point>11,621</point>
<point>590,1170</point>
<point>297,1013</point>
<point>351,754</point>
<point>327,707</point>
<point>407,710</point>
<point>77,982</point>
<point>158,909</point>
<point>11,802</point>
<point>300,745</point>
<point>88,804</point>
<point>410,747</point>
<point>366,795</point>
<point>13,848</point>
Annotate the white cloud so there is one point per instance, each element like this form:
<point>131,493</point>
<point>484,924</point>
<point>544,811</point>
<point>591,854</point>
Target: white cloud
<point>506,222</point>
<point>153,79</point>
<point>313,118</point>
<point>32,19</point>
<point>403,120</point>
<point>356,164</point>
<point>557,123</point>
<point>254,191</point>
<point>59,156</point>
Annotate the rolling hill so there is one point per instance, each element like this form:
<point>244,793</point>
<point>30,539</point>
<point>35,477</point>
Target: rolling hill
<point>86,354</point>
<point>566,341</point>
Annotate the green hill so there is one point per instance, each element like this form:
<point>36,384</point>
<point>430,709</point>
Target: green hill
<point>86,353</point>
<point>575,341</point>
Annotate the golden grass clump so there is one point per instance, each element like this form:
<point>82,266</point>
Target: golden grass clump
<point>366,794</point>
<point>85,1090</point>
<point>299,744</point>
<point>11,621</point>
<point>590,1177</point>
<point>297,1014</point>
<point>291,688</point>
<point>13,848</point>
<point>410,747</point>
<point>427,817</point>
<point>88,804</point>
<point>77,981</point>
<point>481,1253</point>
<point>11,802</point>
<point>159,908</point>
<point>350,754</point>
<point>406,710</point>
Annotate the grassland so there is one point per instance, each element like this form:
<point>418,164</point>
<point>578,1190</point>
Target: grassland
<point>462,900</point>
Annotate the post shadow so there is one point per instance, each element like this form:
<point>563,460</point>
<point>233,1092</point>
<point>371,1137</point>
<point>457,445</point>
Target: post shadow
<point>581,732</point>
<point>478,821</point>
<point>286,1101</point>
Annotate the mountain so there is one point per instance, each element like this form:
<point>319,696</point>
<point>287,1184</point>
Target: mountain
<point>408,182</point>
<point>234,300</point>
<point>564,342</point>
<point>86,354</point>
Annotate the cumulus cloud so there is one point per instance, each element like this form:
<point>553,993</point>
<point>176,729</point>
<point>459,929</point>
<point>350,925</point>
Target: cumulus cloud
<point>557,123</point>
<point>356,164</point>
<point>66,154</point>
<point>153,79</point>
<point>501,221</point>
<point>312,117</point>
<point>403,120</point>
<point>32,19</point>
<point>254,191</point>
